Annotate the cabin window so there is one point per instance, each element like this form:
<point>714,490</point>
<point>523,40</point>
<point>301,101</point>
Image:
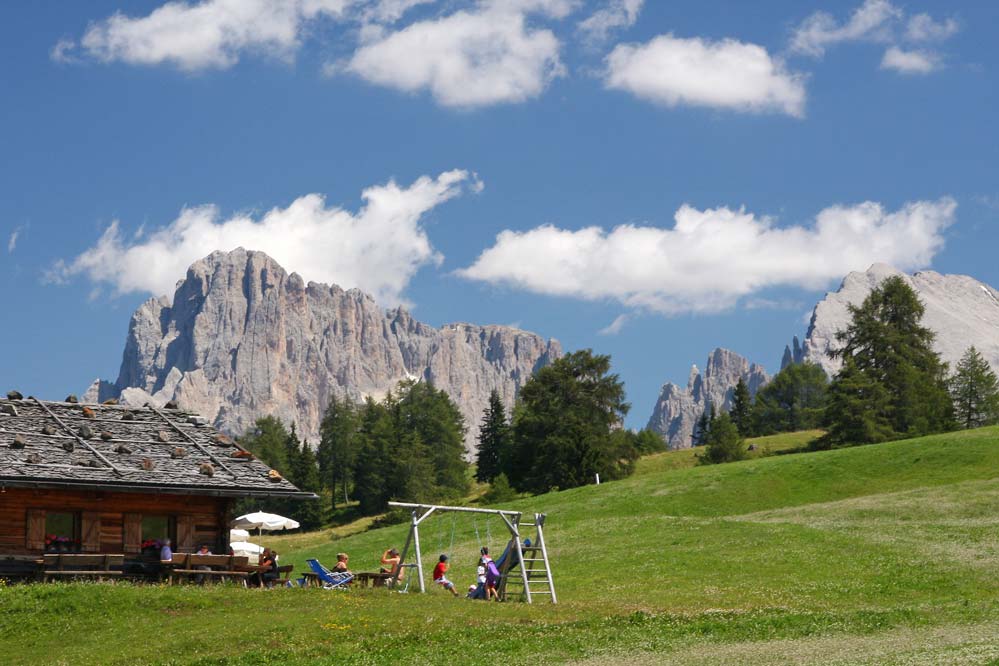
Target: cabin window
<point>62,532</point>
<point>157,529</point>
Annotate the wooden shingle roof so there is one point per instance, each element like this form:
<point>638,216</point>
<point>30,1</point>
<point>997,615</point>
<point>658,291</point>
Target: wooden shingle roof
<point>63,444</point>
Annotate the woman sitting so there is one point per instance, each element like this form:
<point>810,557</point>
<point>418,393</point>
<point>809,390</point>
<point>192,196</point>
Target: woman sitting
<point>341,563</point>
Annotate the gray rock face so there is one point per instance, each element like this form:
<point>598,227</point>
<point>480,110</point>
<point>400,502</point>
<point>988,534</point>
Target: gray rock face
<point>961,311</point>
<point>677,409</point>
<point>244,339</point>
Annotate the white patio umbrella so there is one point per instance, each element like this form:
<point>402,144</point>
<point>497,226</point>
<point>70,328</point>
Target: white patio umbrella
<point>260,520</point>
<point>238,535</point>
<point>246,549</point>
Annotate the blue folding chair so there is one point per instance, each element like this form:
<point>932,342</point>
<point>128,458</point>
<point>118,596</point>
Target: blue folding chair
<point>331,580</point>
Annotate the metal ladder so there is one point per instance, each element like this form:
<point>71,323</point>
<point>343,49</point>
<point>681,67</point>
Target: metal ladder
<point>535,579</point>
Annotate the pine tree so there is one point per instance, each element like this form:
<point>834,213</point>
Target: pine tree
<point>723,443</point>
<point>563,422</point>
<point>440,429</point>
<point>494,440</point>
<point>975,391</point>
<point>742,403</point>
<point>373,462</point>
<point>701,428</point>
<point>338,447</point>
<point>793,400</point>
<point>309,513</point>
<point>892,349</point>
<point>858,409</point>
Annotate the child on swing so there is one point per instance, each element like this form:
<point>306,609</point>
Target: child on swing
<point>440,576</point>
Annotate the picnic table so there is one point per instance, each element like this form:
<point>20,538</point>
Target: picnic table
<point>82,566</point>
<point>372,578</point>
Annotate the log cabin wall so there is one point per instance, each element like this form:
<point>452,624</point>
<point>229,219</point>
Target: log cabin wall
<point>110,522</point>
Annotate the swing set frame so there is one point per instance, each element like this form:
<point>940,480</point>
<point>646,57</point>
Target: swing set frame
<point>420,512</point>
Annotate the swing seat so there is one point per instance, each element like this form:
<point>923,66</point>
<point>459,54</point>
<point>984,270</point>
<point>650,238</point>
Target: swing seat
<point>331,580</point>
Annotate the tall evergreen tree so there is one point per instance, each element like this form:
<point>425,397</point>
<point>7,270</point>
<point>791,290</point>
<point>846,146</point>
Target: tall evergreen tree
<point>701,427</point>
<point>494,440</point>
<point>563,422</point>
<point>858,410</point>
<point>338,447</point>
<point>892,349</point>
<point>742,403</point>
<point>794,400</point>
<point>975,391</point>
<point>373,463</point>
<point>723,443</point>
<point>440,430</point>
<point>309,513</point>
<point>268,441</point>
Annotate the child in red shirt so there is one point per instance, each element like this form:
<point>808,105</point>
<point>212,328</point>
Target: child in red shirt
<point>440,578</point>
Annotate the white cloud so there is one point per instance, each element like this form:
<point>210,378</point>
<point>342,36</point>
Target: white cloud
<point>614,15</point>
<point>202,35</point>
<point>377,249</point>
<point>726,74</point>
<point>615,326</point>
<point>712,258</point>
<point>922,28</point>
<point>819,31</point>
<point>910,62</point>
<point>390,11</point>
<point>12,241</point>
<point>468,58</point>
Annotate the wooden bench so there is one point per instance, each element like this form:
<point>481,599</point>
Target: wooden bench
<point>284,575</point>
<point>82,566</point>
<point>222,567</point>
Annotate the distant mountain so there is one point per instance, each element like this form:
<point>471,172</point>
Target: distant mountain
<point>243,339</point>
<point>678,409</point>
<point>961,311</point>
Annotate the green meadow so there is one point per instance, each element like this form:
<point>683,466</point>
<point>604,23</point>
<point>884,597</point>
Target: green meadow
<point>884,554</point>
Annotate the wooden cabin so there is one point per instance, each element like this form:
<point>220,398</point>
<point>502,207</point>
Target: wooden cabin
<point>113,479</point>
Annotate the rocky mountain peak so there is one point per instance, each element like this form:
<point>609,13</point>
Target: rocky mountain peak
<point>677,410</point>
<point>960,310</point>
<point>243,338</point>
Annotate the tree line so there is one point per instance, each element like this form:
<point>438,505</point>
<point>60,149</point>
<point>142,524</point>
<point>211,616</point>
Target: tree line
<point>565,429</point>
<point>891,385</point>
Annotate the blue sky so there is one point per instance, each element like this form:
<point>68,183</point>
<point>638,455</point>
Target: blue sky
<point>559,165</point>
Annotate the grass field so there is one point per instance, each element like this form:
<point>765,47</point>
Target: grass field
<point>883,554</point>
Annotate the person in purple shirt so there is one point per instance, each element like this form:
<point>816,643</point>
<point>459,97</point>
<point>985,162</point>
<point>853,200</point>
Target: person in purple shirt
<point>166,553</point>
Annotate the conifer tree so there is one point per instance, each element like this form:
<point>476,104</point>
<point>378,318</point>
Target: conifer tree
<point>701,428</point>
<point>793,400</point>
<point>562,425</point>
<point>893,350</point>
<point>742,403</point>
<point>723,443</point>
<point>338,447</point>
<point>858,409</point>
<point>494,440</point>
<point>975,391</point>
<point>308,513</point>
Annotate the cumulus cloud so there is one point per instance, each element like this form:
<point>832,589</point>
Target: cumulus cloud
<point>616,14</point>
<point>202,35</point>
<point>475,58</point>
<point>378,249</point>
<point>727,74</point>
<point>390,11</point>
<point>923,28</point>
<point>910,62</point>
<point>820,30</point>
<point>710,259</point>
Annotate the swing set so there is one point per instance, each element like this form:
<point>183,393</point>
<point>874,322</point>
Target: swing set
<point>524,567</point>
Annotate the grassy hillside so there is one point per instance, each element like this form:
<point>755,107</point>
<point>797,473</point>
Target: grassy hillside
<point>879,554</point>
<point>787,442</point>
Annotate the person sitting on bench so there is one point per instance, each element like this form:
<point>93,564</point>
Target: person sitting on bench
<point>391,559</point>
<point>268,559</point>
<point>200,578</point>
